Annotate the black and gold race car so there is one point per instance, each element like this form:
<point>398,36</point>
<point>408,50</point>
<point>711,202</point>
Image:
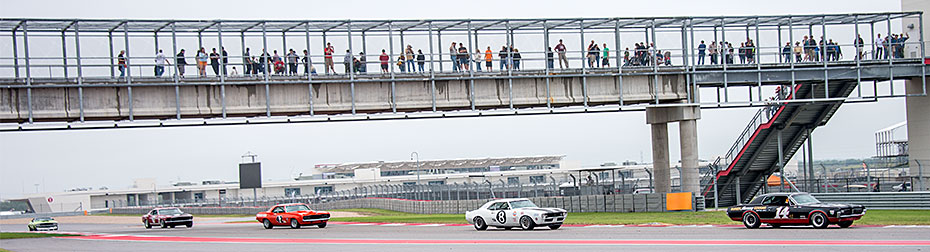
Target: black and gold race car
<point>797,209</point>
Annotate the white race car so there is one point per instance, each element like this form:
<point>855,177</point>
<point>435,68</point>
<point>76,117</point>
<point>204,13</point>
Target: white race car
<point>509,213</point>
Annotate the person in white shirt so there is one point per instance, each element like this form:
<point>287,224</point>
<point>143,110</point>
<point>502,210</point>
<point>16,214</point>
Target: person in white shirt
<point>234,72</point>
<point>160,62</point>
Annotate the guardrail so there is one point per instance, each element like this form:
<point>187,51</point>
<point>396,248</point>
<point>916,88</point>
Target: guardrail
<point>879,200</point>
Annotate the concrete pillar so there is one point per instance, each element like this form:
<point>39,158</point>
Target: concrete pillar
<point>918,137</point>
<point>660,165</point>
<point>690,182</point>
<point>659,117</point>
<point>918,120</point>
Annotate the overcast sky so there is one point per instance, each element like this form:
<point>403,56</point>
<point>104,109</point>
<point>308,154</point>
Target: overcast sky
<point>66,159</point>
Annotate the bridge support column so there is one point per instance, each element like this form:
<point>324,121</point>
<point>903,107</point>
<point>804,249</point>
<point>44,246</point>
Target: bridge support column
<point>660,165</point>
<point>687,116</point>
<point>690,181</point>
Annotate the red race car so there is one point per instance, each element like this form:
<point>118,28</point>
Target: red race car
<point>294,215</point>
<point>167,217</point>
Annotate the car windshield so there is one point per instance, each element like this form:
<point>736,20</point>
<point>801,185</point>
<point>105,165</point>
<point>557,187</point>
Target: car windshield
<point>296,208</point>
<point>521,204</point>
<point>43,218</point>
<point>172,211</point>
<point>802,199</point>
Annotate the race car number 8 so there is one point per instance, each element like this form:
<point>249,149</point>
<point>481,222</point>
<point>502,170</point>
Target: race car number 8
<point>501,217</point>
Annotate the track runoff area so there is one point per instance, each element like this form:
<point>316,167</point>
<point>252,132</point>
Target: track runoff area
<point>229,235</point>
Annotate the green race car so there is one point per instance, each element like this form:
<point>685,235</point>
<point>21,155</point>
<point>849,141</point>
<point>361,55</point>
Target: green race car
<point>43,223</point>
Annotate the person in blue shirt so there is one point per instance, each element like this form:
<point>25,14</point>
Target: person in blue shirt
<point>701,49</point>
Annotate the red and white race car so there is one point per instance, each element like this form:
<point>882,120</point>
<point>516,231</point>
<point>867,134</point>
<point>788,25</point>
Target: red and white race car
<point>294,215</point>
<point>167,217</point>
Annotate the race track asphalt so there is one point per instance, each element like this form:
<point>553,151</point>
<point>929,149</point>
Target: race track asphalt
<point>358,237</point>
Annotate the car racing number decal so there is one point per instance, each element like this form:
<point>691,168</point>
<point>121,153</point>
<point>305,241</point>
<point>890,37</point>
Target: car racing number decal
<point>501,217</point>
<point>781,212</point>
<point>280,219</point>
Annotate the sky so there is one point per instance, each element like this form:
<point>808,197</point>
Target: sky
<point>55,161</point>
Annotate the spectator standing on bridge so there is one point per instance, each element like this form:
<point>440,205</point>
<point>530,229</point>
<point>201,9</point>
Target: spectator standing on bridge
<point>121,63</point>
<point>878,47</point>
<point>859,43</point>
<point>503,58</point>
<point>560,49</point>
<point>202,62</point>
<point>597,55</point>
<point>742,53</point>
<point>701,54</point>
<point>410,56</point>
<point>550,60</point>
<point>308,64</point>
<point>385,61</point>
<point>901,43</point>
<point>160,62</point>
<point>713,52</point>
<point>668,58</point>
<point>453,51</point>
<point>328,58</point>
<point>798,49</point>
<point>215,62</point>
<point>247,62</point>
<point>421,59</point>
<point>263,62</point>
<point>652,53</point>
<point>478,58</point>
<point>750,51</point>
<point>516,59</point>
<point>362,63</point>
<point>400,63</point>
<point>589,55</point>
<point>488,59</point>
<point>626,56</point>
<point>225,58</point>
<point>606,58</point>
<point>463,58</point>
<point>180,62</point>
<point>292,60</point>
<point>347,61</point>
<point>729,53</point>
<point>234,71</point>
<point>786,52</point>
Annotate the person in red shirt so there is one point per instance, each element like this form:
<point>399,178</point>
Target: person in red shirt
<point>384,61</point>
<point>328,58</point>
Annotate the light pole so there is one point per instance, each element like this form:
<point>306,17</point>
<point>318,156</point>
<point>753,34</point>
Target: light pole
<point>416,156</point>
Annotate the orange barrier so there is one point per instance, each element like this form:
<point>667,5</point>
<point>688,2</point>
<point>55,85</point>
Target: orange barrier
<point>678,201</point>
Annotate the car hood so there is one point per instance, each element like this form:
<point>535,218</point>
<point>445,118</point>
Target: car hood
<point>542,210</point>
<point>832,205</point>
<point>174,215</point>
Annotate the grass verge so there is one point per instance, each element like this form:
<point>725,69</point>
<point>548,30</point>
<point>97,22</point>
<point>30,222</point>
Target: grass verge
<point>872,217</point>
<point>22,235</point>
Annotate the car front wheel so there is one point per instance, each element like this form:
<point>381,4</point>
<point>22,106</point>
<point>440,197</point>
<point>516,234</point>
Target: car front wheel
<point>322,225</point>
<point>189,224</point>
<point>294,223</point>
<point>526,223</point>
<point>751,220</point>
<point>164,225</point>
<point>267,224</point>
<point>147,224</point>
<point>819,220</point>
<point>480,224</point>
<point>554,227</point>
